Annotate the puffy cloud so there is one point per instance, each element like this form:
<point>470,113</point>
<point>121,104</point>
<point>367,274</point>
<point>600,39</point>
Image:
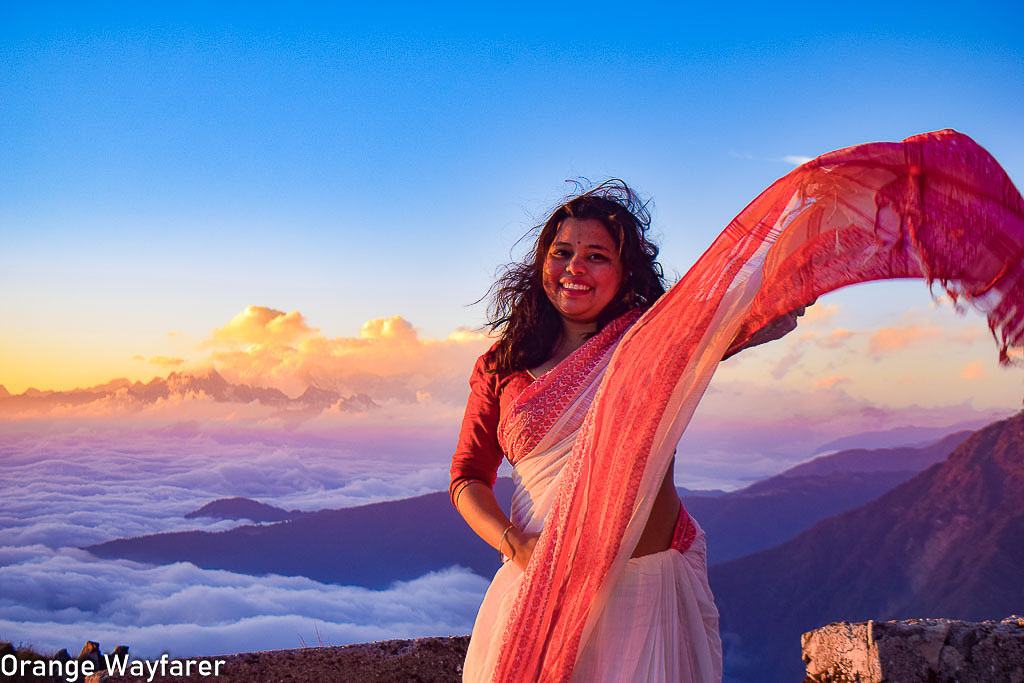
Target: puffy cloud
<point>67,488</point>
<point>972,371</point>
<point>792,357</point>
<point>828,382</point>
<point>395,328</point>
<point>832,340</point>
<point>261,325</point>
<point>796,159</point>
<point>897,338</point>
<point>388,360</point>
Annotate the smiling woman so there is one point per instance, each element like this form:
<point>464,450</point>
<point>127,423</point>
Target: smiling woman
<point>561,313</point>
<point>591,259</point>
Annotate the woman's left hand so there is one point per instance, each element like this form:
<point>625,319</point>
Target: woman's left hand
<point>523,543</point>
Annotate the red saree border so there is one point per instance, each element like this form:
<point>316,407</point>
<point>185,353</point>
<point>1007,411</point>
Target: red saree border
<point>685,532</point>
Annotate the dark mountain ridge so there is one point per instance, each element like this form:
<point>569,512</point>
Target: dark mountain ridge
<point>243,508</point>
<point>369,545</point>
<point>375,545</point>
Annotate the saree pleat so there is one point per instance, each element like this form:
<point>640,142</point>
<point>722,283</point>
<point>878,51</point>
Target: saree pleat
<point>935,206</point>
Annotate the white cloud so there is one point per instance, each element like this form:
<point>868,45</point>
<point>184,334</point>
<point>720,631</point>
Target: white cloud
<point>60,598</point>
<point>262,325</point>
<point>64,489</point>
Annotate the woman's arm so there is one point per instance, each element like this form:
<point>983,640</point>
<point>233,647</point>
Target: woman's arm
<point>475,468</point>
<point>476,503</point>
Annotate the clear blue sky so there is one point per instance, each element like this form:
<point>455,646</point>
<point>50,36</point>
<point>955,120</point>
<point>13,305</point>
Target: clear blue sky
<point>164,167</point>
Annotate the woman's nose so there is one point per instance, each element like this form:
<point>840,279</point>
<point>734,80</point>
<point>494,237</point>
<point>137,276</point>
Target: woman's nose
<point>576,265</point>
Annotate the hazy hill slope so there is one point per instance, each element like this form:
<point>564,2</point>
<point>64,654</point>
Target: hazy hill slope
<point>947,543</point>
<point>915,458</point>
<point>776,509</point>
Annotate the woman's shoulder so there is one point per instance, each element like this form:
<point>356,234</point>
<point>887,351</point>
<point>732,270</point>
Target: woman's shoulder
<point>485,371</point>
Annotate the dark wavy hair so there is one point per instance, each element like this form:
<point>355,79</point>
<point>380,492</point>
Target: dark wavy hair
<point>529,325</point>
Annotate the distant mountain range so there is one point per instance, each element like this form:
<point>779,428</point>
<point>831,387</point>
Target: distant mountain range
<point>901,436</point>
<point>776,509</point>
<point>209,383</point>
<point>383,540</point>
<point>369,545</point>
<point>947,543</point>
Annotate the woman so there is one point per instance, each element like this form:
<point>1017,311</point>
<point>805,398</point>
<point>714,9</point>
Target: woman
<point>587,393</point>
<point>591,268</point>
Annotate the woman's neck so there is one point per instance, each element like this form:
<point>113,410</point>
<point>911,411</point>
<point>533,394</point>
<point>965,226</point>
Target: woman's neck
<point>573,336</point>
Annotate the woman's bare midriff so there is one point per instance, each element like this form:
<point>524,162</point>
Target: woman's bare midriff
<point>657,535</point>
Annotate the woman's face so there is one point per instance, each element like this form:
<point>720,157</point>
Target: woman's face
<point>582,270</point>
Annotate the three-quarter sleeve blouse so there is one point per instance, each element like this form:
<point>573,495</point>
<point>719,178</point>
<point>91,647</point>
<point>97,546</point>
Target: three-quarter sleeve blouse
<point>478,454</point>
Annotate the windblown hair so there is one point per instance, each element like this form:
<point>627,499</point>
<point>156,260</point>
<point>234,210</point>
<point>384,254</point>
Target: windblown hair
<point>529,325</point>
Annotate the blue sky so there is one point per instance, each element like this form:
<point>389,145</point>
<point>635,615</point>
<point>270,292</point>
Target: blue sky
<point>165,167</point>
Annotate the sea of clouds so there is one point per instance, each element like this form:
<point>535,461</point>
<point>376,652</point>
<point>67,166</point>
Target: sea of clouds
<point>79,474</point>
<point>71,484</point>
<point>71,488</point>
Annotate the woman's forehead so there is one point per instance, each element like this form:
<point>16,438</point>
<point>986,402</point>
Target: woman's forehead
<point>590,231</point>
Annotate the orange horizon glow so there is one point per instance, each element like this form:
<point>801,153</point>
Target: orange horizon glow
<point>939,363</point>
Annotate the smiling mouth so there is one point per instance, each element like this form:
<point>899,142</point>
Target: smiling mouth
<point>575,287</point>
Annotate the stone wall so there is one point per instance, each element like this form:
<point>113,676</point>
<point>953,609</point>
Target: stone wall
<point>925,650</point>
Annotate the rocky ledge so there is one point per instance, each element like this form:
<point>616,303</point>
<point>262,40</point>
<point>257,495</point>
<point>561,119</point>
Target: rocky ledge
<point>426,660</point>
<point>925,650</point>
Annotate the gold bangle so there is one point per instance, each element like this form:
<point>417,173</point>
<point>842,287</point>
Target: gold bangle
<point>463,485</point>
<point>458,492</point>
<point>502,542</point>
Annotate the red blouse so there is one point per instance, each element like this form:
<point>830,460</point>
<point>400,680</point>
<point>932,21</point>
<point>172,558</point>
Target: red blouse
<point>478,455</point>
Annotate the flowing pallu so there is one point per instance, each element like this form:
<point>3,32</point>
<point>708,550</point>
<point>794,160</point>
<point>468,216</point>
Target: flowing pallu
<point>935,206</point>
